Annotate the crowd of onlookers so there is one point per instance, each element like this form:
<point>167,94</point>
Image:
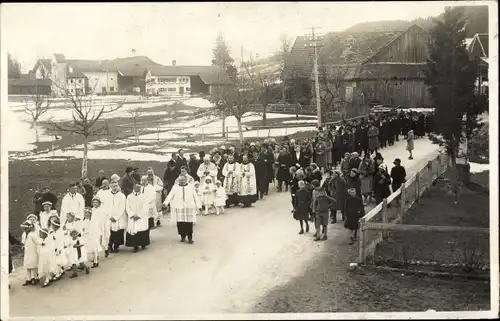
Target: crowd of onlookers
<point>341,170</point>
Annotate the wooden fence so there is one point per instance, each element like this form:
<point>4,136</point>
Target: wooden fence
<point>376,224</point>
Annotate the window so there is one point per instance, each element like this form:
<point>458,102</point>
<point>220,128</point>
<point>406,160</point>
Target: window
<point>188,89</point>
<point>72,81</point>
<point>79,81</point>
<point>111,88</point>
<point>103,89</point>
<point>111,78</point>
<point>72,90</point>
<point>172,89</point>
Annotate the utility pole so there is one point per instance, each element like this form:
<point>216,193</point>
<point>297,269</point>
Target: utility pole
<point>313,38</point>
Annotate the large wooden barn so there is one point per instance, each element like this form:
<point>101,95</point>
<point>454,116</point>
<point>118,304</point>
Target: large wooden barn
<point>367,68</point>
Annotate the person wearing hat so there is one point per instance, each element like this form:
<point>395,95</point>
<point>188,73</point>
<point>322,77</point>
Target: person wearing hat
<point>353,181</point>
<point>193,164</point>
<point>230,171</point>
<point>157,183</point>
<point>60,246</point>
<point>354,210</point>
<point>47,195</point>
<point>170,175</point>
<point>30,260</point>
<point>46,214</point>
<point>398,175</point>
<point>127,182</point>
<point>72,202</point>
<point>366,172</point>
<point>338,190</point>
<point>382,184</point>
<point>100,219</point>
<point>248,184</point>
<point>136,175</point>
<point>207,169</point>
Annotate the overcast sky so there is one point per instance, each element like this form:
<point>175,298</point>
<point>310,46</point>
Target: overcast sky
<point>184,32</point>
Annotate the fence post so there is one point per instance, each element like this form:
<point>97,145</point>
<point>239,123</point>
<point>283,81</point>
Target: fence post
<point>417,181</point>
<point>429,167</point>
<point>384,217</point>
<point>269,133</point>
<point>362,241</point>
<point>439,165</point>
<point>202,134</point>
<point>403,202</point>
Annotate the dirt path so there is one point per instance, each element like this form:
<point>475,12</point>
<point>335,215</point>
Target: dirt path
<point>238,257</point>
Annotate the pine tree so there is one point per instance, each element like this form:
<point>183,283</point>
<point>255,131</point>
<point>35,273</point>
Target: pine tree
<point>451,76</point>
<point>13,67</point>
<point>222,57</point>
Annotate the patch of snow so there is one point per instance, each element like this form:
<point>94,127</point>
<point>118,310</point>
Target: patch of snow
<point>478,168</point>
<point>101,154</point>
<point>198,102</point>
<point>311,121</point>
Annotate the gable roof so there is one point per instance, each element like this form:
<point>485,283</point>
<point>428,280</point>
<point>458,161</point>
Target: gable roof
<point>59,57</point>
<point>479,45</point>
<point>46,63</point>
<point>338,48</point>
<point>29,82</point>
<point>210,75</point>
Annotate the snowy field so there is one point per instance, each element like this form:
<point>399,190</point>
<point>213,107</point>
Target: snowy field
<point>16,124</point>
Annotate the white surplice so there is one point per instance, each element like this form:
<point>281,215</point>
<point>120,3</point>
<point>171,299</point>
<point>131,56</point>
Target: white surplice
<point>72,203</point>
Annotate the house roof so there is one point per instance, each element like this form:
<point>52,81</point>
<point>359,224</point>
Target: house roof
<point>385,71</point>
<point>131,66</point>
<point>211,75</point>
<point>47,64</point>
<point>28,82</point>
<point>59,57</point>
<point>479,45</point>
<point>86,65</point>
<point>484,41</point>
<point>338,48</point>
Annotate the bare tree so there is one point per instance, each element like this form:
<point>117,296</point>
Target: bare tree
<point>135,114</point>
<point>85,114</point>
<point>286,45</point>
<point>36,105</point>
<point>332,84</point>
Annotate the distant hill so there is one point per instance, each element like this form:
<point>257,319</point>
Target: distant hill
<point>476,16</point>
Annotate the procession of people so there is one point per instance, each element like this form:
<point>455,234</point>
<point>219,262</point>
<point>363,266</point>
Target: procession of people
<point>339,170</point>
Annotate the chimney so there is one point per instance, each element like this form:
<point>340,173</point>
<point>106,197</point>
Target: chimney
<point>174,62</point>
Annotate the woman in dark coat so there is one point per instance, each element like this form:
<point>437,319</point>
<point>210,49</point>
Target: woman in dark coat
<point>285,161</point>
<point>337,187</point>
<point>373,133</point>
<point>302,206</point>
<point>354,210</point>
<point>262,181</point>
<point>353,181</point>
<point>382,184</point>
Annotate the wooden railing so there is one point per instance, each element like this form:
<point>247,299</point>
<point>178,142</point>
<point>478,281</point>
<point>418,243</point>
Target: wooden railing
<point>380,220</point>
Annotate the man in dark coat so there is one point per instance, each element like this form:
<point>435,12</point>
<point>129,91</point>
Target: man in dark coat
<point>99,179</point>
<point>47,195</point>
<point>268,156</point>
<point>127,182</point>
<point>398,175</point>
<point>260,174</point>
<point>193,165</point>
<point>180,161</point>
<point>170,176</point>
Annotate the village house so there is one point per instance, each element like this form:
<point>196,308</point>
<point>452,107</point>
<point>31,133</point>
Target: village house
<point>178,81</point>
<point>384,67</point>
<point>27,84</point>
<point>101,77</point>
<point>478,49</point>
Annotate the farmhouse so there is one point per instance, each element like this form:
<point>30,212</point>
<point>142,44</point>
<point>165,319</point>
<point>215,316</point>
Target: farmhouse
<point>27,84</point>
<point>384,67</point>
<point>183,80</point>
<point>122,75</point>
<point>478,49</point>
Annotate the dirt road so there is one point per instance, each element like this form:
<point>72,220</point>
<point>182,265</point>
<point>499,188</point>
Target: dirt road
<point>236,259</point>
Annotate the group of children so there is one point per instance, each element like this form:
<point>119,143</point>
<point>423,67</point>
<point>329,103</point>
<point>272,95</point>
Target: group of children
<point>52,248</point>
<point>212,196</point>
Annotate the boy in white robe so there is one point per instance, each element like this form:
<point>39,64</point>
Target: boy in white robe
<point>157,183</point>
<point>118,218</point>
<point>150,195</point>
<point>208,195</point>
<point>72,202</point>
<point>105,197</point>
<point>138,205</point>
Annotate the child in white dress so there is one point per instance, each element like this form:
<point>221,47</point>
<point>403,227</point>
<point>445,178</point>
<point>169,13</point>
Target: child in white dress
<point>31,243</point>
<point>46,257</point>
<point>72,222</point>
<point>91,233</point>
<point>198,192</point>
<point>46,214</point>
<point>78,253</point>
<point>60,247</point>
<point>34,220</point>
<point>220,198</point>
<point>208,195</point>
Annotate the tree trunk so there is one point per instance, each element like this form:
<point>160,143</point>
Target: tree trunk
<point>264,114</point>
<point>283,92</point>
<point>37,133</point>
<point>223,124</point>
<point>85,157</point>
<point>296,110</point>
<point>240,130</point>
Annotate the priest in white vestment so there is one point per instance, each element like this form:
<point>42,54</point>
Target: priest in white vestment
<point>184,204</point>
<point>137,214</point>
<point>72,202</point>
<point>231,181</point>
<point>248,182</point>
<point>150,197</point>
<point>206,169</point>
<point>118,217</point>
